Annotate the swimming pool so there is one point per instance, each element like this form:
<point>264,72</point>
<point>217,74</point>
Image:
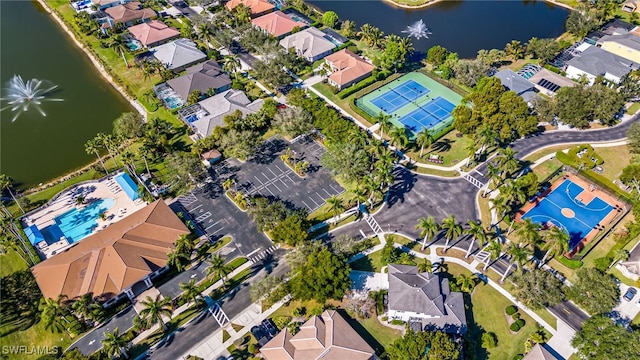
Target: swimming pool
<point>76,224</point>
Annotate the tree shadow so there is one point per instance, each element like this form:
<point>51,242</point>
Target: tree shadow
<point>404,182</point>
<point>269,151</point>
<point>20,297</point>
<point>473,338</point>
<point>375,344</point>
<point>442,145</point>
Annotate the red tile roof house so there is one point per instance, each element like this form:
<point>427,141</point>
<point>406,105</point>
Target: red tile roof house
<point>153,33</point>
<point>348,68</point>
<point>129,14</point>
<point>257,7</point>
<point>277,24</point>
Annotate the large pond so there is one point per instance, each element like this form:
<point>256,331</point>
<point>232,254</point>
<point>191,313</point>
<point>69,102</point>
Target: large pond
<point>35,149</point>
<point>461,26</point>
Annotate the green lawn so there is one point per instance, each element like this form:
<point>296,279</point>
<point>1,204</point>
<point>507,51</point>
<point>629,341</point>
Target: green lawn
<point>371,262</point>
<point>539,154</point>
<point>634,108</point>
<point>547,168</point>
<point>451,148</point>
<point>384,335</point>
<point>10,263</point>
<point>615,159</point>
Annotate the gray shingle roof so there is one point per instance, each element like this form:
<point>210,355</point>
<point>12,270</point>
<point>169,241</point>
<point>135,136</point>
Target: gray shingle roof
<point>202,77</point>
<point>178,53</point>
<point>309,42</point>
<point>629,40</point>
<point>220,105</point>
<point>513,81</point>
<point>427,294</point>
<point>596,61</point>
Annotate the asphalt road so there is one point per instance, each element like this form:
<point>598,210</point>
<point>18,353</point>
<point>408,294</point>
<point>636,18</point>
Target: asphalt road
<point>92,341</point>
<point>570,313</point>
<point>526,146</point>
<point>205,325</point>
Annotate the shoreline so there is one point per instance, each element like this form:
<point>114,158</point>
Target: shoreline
<point>96,64</point>
<point>425,5</point>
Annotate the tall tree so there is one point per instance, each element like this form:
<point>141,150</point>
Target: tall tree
<point>5,184</point>
<point>518,256</point>
<point>216,267</point>
<point>425,265</point>
<point>53,313</point>
<point>292,121</point>
<point>514,49</point>
<point>556,242</point>
<point>506,161</point>
<point>324,276</point>
<point>114,344</point>
<point>191,290</point>
<point>154,309</point>
<point>477,233</point>
<point>90,147</point>
<point>538,289</point>
<point>335,206</point>
<point>602,339</point>
<point>385,124</point>
<point>428,227</point>
<point>231,64</point>
<point>424,139</point>
<point>594,291</point>
<point>177,259</point>
<point>494,249</point>
<point>398,136</point>
<point>330,19</point>
<point>452,229</point>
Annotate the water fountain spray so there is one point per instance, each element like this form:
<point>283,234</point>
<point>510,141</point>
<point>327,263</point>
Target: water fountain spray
<point>21,95</point>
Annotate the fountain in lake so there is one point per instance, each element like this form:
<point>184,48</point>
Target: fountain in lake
<point>418,30</point>
<point>22,95</point>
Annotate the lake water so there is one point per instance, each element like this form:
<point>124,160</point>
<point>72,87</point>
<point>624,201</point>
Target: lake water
<point>461,26</point>
<point>35,149</point>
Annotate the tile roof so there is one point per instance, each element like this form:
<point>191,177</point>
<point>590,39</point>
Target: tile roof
<point>425,293</point>
<point>596,61</point>
<point>220,105</point>
<point>538,352</point>
<point>115,258</point>
<point>349,66</point>
<point>309,42</point>
<point>153,32</point>
<point>129,12</point>
<point>256,6</point>
<point>277,23</point>
<point>326,337</point>
<point>202,77</point>
<point>178,53</point>
<point>513,81</point>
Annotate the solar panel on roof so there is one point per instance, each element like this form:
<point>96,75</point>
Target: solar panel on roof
<point>548,85</point>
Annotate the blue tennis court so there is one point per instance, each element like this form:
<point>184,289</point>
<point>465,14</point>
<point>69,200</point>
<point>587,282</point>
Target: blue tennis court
<point>572,208</point>
<point>428,115</point>
<point>399,96</point>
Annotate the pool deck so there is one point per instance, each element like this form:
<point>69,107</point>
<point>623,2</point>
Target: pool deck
<point>66,200</point>
<point>587,194</point>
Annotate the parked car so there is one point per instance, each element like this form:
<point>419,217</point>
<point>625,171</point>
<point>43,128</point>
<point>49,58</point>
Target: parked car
<point>260,336</point>
<point>271,330</point>
<point>630,294</point>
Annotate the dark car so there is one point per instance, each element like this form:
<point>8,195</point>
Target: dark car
<point>630,294</point>
<point>271,330</point>
<point>259,334</point>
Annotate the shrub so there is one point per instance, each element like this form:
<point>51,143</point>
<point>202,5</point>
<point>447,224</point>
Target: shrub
<point>384,318</point>
<point>511,309</point>
<point>521,323</point>
<point>489,340</point>
<point>252,348</point>
<point>514,327</point>
<point>602,263</point>
<point>515,316</point>
<point>299,311</point>
<point>358,86</point>
<point>281,321</point>
<point>397,322</point>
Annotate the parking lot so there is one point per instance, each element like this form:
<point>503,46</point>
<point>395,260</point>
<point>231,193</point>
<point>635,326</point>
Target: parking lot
<point>267,175</point>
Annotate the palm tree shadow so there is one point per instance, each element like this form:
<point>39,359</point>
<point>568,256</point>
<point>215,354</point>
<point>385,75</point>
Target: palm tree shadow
<point>442,145</point>
<point>404,183</point>
<point>473,340</point>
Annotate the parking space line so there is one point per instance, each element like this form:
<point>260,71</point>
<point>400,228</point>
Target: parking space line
<point>283,183</point>
<point>308,207</point>
<point>214,224</point>
<point>274,184</point>
<point>274,174</point>
<point>203,217</point>
<point>217,231</point>
<point>314,201</point>
<point>259,180</point>
<point>336,190</point>
<point>194,209</point>
<point>266,177</point>
<point>326,192</point>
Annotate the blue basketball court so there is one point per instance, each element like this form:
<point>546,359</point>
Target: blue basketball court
<point>572,208</point>
<point>399,96</point>
<point>428,115</point>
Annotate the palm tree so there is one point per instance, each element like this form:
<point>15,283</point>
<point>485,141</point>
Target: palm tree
<point>91,147</point>
<point>494,248</point>
<point>191,290</point>
<point>5,184</point>
<point>376,38</point>
<point>507,161</point>
<point>53,313</point>
<point>360,195</point>
<point>186,244</point>
<point>557,242</point>
<point>519,255</point>
<point>205,33</point>
<point>424,139</point>
<point>398,135</point>
<point>425,266</point>
<point>452,229</point>
<point>175,259</point>
<point>500,206</point>
<point>485,137</point>
<point>143,152</point>
<point>365,33</point>
<point>114,345</point>
<point>619,255</point>
<point>385,124</point>
<point>116,42</point>
<point>218,268</point>
<point>335,206</point>
<point>466,282</point>
<point>428,229</point>
<point>513,192</point>
<point>406,47</point>
<point>529,232</point>
<point>129,161</point>
<point>514,49</point>
<point>106,141</point>
<point>472,152</point>
<point>83,305</point>
<point>231,64</point>
<point>154,309</point>
<point>477,232</point>
<point>493,173</point>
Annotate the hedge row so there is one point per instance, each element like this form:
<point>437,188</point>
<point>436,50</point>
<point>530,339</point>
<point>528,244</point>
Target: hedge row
<point>359,86</point>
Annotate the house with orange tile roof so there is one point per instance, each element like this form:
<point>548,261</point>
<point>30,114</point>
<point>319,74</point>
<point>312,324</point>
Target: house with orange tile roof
<point>348,68</point>
<point>257,7</point>
<point>129,13</point>
<point>119,261</point>
<point>327,337</point>
<point>153,33</point>
<point>277,24</point>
